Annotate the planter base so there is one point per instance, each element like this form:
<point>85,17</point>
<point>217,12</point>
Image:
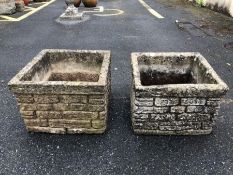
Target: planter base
<point>65,131</point>
<point>157,132</point>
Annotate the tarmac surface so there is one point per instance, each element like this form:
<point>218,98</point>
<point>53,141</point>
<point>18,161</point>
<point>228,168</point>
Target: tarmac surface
<point>118,151</point>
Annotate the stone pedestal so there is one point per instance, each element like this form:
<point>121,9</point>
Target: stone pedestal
<point>71,14</point>
<point>174,94</point>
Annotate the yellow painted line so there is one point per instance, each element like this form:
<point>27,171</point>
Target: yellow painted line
<point>35,10</point>
<point>119,12</point>
<point>4,20</point>
<point>8,18</point>
<point>152,11</point>
<point>31,10</point>
<point>26,10</point>
<point>38,3</point>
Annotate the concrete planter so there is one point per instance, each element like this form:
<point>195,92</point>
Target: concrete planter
<point>174,94</point>
<point>222,6</point>
<point>64,91</point>
<point>7,7</point>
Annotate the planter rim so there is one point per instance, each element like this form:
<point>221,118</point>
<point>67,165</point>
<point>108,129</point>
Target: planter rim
<point>16,81</point>
<point>219,86</point>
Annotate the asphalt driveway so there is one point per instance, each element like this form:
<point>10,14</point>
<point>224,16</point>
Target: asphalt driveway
<point>118,151</point>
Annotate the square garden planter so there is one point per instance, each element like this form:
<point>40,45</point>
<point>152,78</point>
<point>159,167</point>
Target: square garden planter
<point>64,91</point>
<point>174,94</point>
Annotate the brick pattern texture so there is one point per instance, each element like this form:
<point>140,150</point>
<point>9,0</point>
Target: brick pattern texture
<point>64,113</point>
<point>158,115</point>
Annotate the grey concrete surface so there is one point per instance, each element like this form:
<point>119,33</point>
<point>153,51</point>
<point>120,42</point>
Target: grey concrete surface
<point>118,151</point>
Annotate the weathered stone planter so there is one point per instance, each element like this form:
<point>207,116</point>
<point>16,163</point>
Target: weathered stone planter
<point>64,91</point>
<point>174,93</point>
<point>7,7</point>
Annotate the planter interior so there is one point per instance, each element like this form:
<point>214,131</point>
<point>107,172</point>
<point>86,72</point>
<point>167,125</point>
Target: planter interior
<point>70,67</point>
<point>173,70</point>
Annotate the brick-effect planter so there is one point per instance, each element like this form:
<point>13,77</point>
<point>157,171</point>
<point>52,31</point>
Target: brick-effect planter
<point>64,91</point>
<point>174,94</point>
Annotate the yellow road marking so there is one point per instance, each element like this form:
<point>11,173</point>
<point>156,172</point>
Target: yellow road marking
<point>4,20</point>
<point>152,11</point>
<point>35,10</point>
<point>27,7</point>
<point>39,3</point>
<point>119,12</point>
<point>32,11</point>
<point>8,18</point>
<point>26,10</point>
